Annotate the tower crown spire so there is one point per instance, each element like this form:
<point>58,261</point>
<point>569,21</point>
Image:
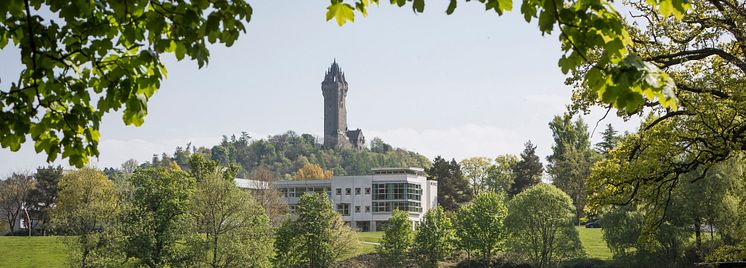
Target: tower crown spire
<point>334,74</point>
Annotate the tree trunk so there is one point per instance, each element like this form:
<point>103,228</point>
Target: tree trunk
<point>698,237</point>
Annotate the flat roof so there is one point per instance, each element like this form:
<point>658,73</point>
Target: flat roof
<point>407,170</point>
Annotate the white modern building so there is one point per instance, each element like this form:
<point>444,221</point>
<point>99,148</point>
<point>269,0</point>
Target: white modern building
<point>365,202</point>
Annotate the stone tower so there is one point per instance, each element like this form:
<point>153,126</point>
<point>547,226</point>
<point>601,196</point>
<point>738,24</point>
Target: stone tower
<point>336,134</point>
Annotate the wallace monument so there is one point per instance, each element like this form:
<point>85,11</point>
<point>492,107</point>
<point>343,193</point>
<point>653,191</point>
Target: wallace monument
<point>336,134</point>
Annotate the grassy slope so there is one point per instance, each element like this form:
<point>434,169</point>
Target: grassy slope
<point>370,237</point>
<point>35,251</point>
<point>594,243</point>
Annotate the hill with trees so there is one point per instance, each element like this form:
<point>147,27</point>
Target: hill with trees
<point>285,154</point>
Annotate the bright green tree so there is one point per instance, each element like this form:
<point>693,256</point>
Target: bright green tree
<point>158,218</point>
<point>500,175</point>
<point>540,227</point>
<point>475,171</point>
<point>708,66</point>
<point>434,238</point>
<point>237,231</point>
<point>86,210</point>
<point>397,240</point>
<point>317,237</point>
<point>479,225</point>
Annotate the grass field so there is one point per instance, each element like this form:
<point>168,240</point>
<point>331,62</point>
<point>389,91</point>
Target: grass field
<point>35,251</point>
<point>366,238</point>
<point>49,251</point>
<point>594,244</point>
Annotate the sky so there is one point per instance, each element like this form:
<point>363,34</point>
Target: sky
<point>469,84</point>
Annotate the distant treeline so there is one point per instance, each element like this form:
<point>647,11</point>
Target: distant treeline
<point>284,154</point>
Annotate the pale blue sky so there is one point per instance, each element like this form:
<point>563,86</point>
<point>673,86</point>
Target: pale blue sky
<point>468,84</point>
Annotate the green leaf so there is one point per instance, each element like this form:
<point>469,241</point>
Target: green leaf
<point>418,6</point>
<point>677,8</point>
<point>451,7</point>
<point>180,51</point>
<point>341,12</point>
<point>505,5</point>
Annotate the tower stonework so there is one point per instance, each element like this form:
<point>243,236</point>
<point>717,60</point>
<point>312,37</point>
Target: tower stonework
<point>336,134</point>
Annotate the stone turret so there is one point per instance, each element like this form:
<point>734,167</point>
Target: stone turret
<point>334,89</point>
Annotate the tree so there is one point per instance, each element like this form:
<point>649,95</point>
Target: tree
<point>317,237</point>
<point>14,193</point>
<point>453,188</point>
<point>623,226</point>
<point>130,166</point>
<point>571,174</point>
<point>85,210</point>
<point>500,175</point>
<point>397,240</point>
<point>158,218</point>
<point>567,135</point>
<point>275,207</point>
<point>237,232</point>
<point>608,141</point>
<point>540,226</point>
<point>81,61</point>
<point>43,196</point>
<point>624,234</point>
<point>571,159</point>
<point>434,238</point>
<point>479,224</point>
<point>475,171</point>
<point>201,167</point>
<point>528,170</point>
<point>312,171</point>
<point>703,53</point>
<point>288,246</point>
<point>377,145</point>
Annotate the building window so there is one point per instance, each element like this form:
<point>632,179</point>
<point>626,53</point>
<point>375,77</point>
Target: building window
<point>291,192</point>
<point>397,191</point>
<point>339,191</point>
<point>367,209</point>
<point>357,191</point>
<point>367,190</point>
<point>292,208</point>
<point>348,191</point>
<point>344,209</point>
<point>389,206</point>
<point>357,209</point>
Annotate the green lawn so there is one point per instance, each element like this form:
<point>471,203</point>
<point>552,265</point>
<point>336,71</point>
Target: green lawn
<point>594,243</point>
<point>365,239</point>
<point>370,236</point>
<point>35,251</point>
